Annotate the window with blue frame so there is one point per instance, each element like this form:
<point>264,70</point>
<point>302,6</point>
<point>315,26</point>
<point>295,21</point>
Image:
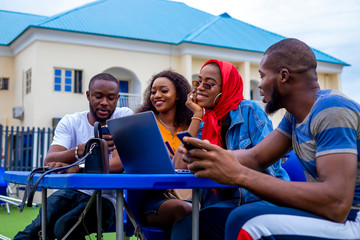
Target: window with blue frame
<point>57,80</point>
<point>67,80</point>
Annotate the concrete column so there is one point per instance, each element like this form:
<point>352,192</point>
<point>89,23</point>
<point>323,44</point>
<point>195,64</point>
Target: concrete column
<point>244,70</point>
<point>186,66</point>
<point>337,81</point>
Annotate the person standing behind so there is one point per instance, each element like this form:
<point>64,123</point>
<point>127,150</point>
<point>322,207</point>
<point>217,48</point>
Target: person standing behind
<point>323,128</point>
<point>230,122</point>
<point>166,95</point>
<point>68,145</point>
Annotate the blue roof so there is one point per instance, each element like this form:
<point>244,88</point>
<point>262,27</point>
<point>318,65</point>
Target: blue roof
<point>152,20</point>
<point>224,31</point>
<point>12,24</point>
<point>149,20</point>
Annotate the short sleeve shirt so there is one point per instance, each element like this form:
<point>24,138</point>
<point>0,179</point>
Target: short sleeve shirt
<point>332,126</point>
<point>74,129</point>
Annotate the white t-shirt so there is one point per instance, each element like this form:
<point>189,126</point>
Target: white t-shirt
<point>74,129</point>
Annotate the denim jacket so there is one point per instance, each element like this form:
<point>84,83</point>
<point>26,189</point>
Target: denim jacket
<point>249,125</point>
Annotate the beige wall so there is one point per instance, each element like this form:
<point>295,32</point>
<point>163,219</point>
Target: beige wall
<point>42,57</point>
<point>43,103</point>
<point>25,61</point>
<point>329,81</point>
<point>6,96</point>
<point>197,63</point>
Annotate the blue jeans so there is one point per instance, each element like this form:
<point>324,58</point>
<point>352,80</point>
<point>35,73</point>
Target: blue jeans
<point>64,209</point>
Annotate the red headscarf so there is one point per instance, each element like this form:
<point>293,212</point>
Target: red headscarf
<point>231,96</point>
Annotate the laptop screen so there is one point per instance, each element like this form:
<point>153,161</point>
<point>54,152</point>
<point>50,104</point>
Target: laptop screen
<point>140,145</point>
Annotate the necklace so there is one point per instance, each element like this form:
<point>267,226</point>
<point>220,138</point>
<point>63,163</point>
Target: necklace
<point>165,124</point>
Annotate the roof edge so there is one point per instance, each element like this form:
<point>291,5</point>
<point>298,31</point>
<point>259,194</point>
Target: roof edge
<point>23,13</point>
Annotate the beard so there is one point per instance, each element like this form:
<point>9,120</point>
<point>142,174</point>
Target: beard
<point>97,118</point>
<point>274,105</point>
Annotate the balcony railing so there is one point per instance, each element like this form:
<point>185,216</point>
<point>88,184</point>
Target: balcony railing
<point>23,149</point>
<point>130,100</point>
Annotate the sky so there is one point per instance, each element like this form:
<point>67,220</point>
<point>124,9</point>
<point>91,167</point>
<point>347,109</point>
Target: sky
<point>331,26</point>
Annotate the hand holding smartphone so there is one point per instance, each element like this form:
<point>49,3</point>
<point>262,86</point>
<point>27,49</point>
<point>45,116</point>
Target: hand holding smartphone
<point>108,138</point>
<point>181,135</point>
<point>105,130</point>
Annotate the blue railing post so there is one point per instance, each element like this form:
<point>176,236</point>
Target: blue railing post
<point>27,146</point>
<point>48,139</point>
<point>32,156</point>
<point>16,150</point>
<point>38,144</point>
<point>21,147</point>
<point>12,163</point>
<point>1,148</point>
<point>6,146</point>
<point>41,147</point>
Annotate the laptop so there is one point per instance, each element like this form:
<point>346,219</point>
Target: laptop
<point>140,145</point>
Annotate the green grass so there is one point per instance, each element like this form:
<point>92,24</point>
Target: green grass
<point>16,221</point>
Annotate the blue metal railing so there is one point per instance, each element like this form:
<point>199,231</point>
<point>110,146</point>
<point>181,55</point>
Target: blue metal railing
<point>23,149</point>
<point>130,100</point>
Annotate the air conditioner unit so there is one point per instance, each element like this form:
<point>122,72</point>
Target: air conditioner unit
<point>18,113</point>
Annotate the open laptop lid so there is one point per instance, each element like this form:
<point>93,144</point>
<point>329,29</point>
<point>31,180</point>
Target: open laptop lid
<point>140,145</point>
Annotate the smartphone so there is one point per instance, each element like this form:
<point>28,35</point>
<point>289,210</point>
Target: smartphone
<point>169,148</point>
<point>183,134</point>
<point>105,130</point>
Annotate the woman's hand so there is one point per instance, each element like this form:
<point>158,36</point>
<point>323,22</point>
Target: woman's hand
<point>192,104</point>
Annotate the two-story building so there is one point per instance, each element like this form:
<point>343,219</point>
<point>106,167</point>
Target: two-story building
<point>46,62</point>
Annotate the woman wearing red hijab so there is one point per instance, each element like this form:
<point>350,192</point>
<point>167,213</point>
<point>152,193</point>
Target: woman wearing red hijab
<point>225,118</point>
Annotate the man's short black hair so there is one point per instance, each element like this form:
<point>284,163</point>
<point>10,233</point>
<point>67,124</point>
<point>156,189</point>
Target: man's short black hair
<point>292,54</point>
<point>103,76</point>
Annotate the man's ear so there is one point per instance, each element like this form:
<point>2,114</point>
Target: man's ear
<point>88,95</point>
<point>284,73</point>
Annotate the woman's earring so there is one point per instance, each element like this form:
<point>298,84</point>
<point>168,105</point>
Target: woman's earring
<point>215,99</point>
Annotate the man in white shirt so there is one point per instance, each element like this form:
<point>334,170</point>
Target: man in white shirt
<point>71,135</point>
